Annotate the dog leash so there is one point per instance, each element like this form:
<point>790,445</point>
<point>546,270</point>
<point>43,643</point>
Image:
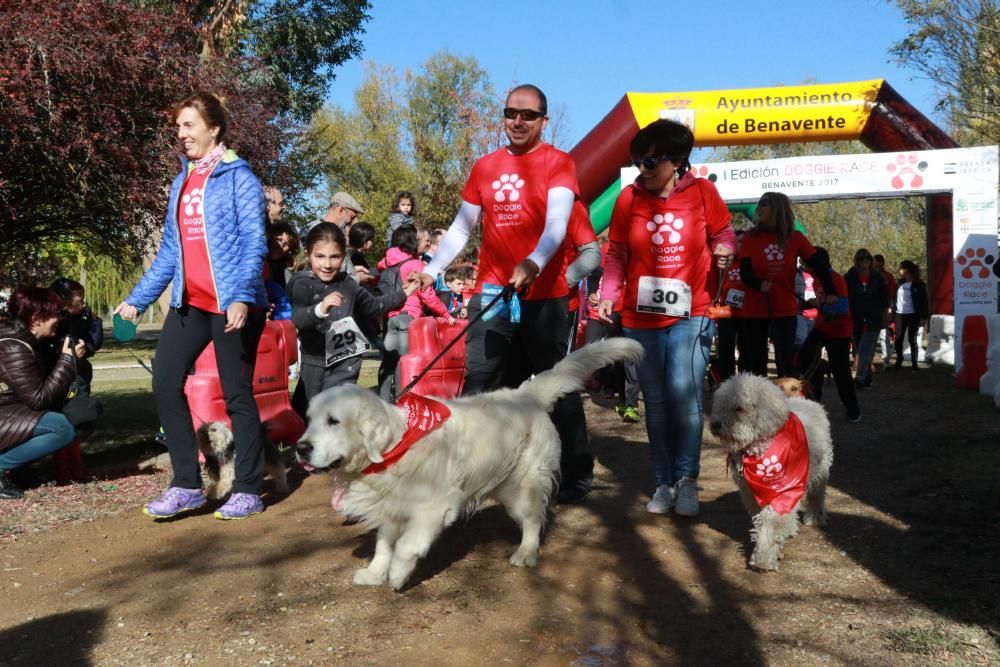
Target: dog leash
<point>506,292</point>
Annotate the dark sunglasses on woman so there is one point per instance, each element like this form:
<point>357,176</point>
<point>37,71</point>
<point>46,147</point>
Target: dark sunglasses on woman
<point>649,163</point>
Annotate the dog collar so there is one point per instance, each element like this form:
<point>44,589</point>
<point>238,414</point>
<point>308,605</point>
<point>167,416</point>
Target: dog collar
<point>778,477</point>
<point>423,415</point>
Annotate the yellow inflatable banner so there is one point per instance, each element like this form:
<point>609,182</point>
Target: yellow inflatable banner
<point>819,112</point>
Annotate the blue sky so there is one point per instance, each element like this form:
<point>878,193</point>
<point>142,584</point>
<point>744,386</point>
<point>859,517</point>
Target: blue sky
<point>586,55</point>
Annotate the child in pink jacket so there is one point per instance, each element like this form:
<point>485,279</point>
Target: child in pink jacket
<point>403,258</point>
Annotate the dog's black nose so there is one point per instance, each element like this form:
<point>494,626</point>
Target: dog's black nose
<point>336,462</point>
<point>303,447</point>
<point>715,425</point>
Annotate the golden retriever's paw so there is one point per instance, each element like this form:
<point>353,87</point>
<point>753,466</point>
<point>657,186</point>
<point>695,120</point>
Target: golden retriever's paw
<point>763,565</point>
<point>366,577</point>
<point>524,558</point>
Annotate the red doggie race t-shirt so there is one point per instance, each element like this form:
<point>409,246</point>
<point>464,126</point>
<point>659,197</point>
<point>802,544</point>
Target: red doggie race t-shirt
<point>423,415</point>
<point>199,285</point>
<point>779,477</point>
<point>669,258</point>
<point>513,191</point>
<point>776,264</point>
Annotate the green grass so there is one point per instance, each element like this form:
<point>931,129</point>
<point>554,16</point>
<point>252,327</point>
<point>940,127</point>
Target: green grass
<point>116,352</point>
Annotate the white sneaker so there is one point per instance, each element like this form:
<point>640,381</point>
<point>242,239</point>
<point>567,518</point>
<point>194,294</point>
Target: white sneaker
<point>687,497</point>
<point>662,501</point>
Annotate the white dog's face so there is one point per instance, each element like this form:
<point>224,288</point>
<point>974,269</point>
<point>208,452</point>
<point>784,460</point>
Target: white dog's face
<point>349,427</point>
<point>746,410</point>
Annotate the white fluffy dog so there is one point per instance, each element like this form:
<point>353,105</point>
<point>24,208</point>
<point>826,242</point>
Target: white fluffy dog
<point>747,412</point>
<point>215,441</point>
<point>501,445</point>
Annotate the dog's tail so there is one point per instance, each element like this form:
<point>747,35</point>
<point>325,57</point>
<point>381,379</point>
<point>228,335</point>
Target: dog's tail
<point>570,374</point>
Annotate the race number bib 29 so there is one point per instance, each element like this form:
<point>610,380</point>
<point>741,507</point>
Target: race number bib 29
<point>343,340</point>
<point>664,296</point>
<point>734,298</point>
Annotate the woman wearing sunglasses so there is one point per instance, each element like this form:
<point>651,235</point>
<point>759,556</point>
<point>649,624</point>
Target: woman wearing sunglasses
<point>767,266</point>
<point>869,307</point>
<point>665,229</point>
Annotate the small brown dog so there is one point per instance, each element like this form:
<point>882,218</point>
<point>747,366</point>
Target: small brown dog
<point>793,387</point>
<point>215,441</point>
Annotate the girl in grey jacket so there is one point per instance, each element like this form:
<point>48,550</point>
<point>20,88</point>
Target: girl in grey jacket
<point>325,302</point>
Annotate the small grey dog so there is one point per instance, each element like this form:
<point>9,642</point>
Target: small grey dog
<point>747,413</point>
<point>215,441</point>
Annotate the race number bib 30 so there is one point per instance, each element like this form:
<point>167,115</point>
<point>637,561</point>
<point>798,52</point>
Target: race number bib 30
<point>664,296</point>
<point>734,297</point>
<point>343,340</point>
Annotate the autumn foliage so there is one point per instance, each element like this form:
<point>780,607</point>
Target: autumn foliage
<point>86,147</point>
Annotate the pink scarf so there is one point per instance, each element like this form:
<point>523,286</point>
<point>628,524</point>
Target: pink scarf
<point>207,163</point>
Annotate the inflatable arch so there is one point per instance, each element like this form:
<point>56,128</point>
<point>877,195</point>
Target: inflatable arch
<point>869,111</point>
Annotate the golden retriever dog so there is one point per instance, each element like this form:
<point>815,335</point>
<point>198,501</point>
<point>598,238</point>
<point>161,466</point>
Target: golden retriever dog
<point>793,387</point>
<point>747,413</point>
<point>500,445</point>
<point>215,441</point>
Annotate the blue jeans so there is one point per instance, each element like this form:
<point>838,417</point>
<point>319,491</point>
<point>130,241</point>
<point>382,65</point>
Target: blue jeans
<point>52,432</point>
<point>672,378</point>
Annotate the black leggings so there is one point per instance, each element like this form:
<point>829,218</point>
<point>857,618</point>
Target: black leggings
<point>754,334</point>
<point>810,366</point>
<point>186,333</point>
<point>908,324</point>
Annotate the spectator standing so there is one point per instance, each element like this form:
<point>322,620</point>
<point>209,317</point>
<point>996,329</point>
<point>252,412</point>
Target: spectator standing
<point>524,226</point>
<point>869,305</point>
<point>665,229</point>
<point>404,207</point>
<point>213,253</point>
<point>885,337</point>
<point>911,310</point>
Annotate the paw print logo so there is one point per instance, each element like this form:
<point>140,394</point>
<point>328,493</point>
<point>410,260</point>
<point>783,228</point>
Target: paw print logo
<point>769,465</point>
<point>733,275</point>
<point>909,166</point>
<point>665,224</point>
<point>773,253</point>
<point>192,202</point>
<point>976,263</point>
<point>701,171</point>
<point>507,187</point>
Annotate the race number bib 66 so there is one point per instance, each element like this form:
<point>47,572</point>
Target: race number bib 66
<point>343,340</point>
<point>664,296</point>
<point>734,298</point>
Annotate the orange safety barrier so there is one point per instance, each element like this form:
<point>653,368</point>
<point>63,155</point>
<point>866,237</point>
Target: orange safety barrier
<point>278,349</point>
<point>974,338</point>
<point>428,336</point>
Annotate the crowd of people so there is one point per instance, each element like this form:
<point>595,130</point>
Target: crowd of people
<point>669,260</point>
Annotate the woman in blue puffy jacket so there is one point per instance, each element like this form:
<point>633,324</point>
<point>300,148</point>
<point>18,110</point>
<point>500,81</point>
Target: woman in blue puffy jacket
<point>213,250</point>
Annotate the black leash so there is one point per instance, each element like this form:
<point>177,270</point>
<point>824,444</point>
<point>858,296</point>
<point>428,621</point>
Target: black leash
<point>504,293</point>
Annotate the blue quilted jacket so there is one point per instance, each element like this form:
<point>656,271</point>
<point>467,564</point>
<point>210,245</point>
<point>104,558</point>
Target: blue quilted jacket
<point>234,227</point>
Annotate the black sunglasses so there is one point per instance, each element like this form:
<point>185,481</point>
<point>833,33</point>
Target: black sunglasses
<point>649,163</point>
<point>511,113</point>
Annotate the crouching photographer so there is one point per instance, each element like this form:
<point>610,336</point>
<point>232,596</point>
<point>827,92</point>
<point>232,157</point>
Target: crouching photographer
<point>31,396</point>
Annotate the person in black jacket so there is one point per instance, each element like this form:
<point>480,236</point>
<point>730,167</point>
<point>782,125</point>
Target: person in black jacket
<point>31,425</point>
<point>869,304</point>
<point>911,310</point>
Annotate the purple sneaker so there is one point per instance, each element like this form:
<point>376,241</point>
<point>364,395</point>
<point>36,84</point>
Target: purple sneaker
<point>240,506</point>
<point>174,501</point>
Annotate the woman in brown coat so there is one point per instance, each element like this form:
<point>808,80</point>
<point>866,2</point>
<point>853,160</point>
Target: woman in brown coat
<point>30,426</point>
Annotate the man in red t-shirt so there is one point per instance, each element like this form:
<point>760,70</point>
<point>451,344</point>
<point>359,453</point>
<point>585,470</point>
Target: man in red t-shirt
<point>525,193</point>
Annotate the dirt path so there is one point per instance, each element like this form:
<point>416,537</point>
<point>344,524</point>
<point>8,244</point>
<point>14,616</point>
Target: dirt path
<point>905,573</point>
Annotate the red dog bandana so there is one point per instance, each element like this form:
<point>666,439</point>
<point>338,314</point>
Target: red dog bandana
<point>423,415</point>
<point>778,478</point>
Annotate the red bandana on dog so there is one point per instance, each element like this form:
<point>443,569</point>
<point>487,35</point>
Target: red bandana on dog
<point>423,415</point>
<point>778,478</point>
